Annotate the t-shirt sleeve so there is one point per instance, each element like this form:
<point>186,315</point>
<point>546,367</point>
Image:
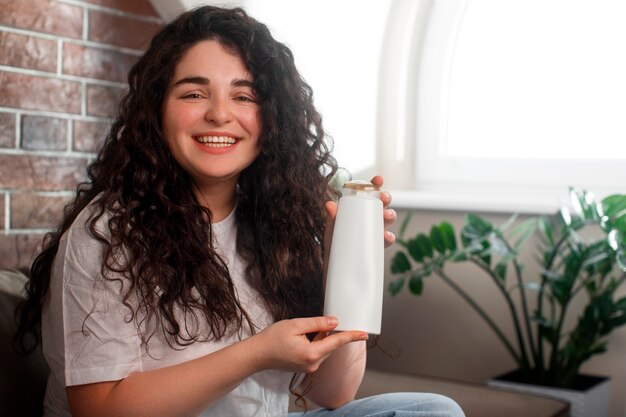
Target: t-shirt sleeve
<point>88,333</point>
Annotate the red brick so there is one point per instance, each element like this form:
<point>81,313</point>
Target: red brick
<point>139,7</point>
<point>89,136</point>
<point>7,130</point>
<point>41,173</point>
<point>28,52</point>
<point>43,133</point>
<point>103,101</point>
<point>39,93</point>
<point>43,16</point>
<point>120,30</point>
<point>96,63</point>
<point>36,211</point>
<point>19,250</point>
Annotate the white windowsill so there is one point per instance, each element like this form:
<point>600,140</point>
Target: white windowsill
<point>491,202</point>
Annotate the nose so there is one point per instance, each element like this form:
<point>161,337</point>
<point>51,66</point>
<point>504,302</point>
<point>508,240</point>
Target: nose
<point>218,111</point>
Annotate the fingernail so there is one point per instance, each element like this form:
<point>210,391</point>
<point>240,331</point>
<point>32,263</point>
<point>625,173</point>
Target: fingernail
<point>364,336</point>
<point>386,195</point>
<point>332,322</point>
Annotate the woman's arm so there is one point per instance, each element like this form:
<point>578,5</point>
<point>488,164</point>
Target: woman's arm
<point>188,388</point>
<point>338,378</point>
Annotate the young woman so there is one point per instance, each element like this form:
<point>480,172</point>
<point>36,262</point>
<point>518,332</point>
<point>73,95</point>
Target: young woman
<point>186,276</point>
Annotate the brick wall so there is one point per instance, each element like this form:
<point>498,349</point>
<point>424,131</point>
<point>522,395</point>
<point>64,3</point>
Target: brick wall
<point>63,67</point>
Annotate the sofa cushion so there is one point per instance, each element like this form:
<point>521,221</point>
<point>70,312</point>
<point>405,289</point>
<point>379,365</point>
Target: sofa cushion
<point>23,380</point>
<point>476,400</point>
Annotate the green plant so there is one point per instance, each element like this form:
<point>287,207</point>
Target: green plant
<point>572,264</point>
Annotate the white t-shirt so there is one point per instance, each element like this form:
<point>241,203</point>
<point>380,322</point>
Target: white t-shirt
<point>107,347</point>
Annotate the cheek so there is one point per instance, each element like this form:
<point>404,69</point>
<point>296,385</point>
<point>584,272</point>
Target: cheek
<point>252,122</point>
<point>176,121</point>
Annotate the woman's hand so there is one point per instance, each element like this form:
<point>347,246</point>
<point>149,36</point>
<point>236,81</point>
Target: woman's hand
<point>284,344</point>
<point>389,215</point>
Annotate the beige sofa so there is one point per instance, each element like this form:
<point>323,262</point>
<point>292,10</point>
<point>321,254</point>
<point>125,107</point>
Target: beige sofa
<point>22,378</point>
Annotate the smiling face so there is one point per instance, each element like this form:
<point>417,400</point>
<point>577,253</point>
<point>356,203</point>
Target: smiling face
<point>211,116</point>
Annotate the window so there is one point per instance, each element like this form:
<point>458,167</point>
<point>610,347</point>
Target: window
<point>514,102</point>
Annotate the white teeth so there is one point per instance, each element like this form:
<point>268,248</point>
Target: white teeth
<point>216,141</point>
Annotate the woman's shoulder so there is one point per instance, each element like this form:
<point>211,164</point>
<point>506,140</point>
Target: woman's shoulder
<point>93,218</point>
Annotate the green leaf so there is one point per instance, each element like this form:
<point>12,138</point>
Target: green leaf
<point>591,286</point>
<point>437,239</point>
<point>449,237</point>
<point>414,250</point>
<point>525,230</point>
<point>459,256</point>
<point>485,254</point>
<point>396,286</point>
<point>573,266</point>
<point>561,290</point>
<point>416,284</point>
<point>597,261</point>
<point>425,245</point>
<point>400,263</point>
<point>584,204</point>
<point>477,226</point>
<point>546,228</point>
<point>501,271</point>
<point>498,246</point>
<point>420,247</point>
<point>614,205</point>
<point>619,223</point>
<point>475,237</point>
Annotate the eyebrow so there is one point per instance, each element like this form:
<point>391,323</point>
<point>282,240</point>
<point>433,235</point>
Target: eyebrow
<point>192,80</point>
<point>196,79</point>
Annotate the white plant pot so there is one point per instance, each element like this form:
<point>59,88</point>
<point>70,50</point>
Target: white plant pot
<point>592,401</point>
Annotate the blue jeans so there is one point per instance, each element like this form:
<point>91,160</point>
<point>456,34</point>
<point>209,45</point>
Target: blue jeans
<point>400,404</point>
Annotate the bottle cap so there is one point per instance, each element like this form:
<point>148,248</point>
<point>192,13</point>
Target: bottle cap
<point>361,185</point>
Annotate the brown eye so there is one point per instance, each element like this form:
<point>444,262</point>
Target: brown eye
<point>245,99</point>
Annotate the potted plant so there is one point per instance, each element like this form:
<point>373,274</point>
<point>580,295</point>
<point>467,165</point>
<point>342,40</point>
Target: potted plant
<point>582,254</point>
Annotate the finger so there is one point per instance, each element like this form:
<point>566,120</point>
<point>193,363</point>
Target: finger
<point>314,324</point>
<point>331,209</point>
<point>389,216</point>
<point>386,198</point>
<point>390,238</point>
<point>377,181</point>
<point>334,341</point>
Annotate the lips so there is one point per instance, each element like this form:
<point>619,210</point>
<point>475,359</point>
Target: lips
<point>215,141</point>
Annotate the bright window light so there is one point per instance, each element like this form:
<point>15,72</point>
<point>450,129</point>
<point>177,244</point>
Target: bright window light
<point>538,79</point>
<point>519,100</point>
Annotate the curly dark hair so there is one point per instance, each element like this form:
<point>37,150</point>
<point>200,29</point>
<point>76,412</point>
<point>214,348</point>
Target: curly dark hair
<point>159,224</point>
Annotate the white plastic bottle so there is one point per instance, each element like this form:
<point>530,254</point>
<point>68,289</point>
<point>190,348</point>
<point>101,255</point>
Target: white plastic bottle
<point>355,281</point>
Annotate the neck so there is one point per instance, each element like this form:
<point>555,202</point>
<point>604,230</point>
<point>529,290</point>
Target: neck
<point>219,198</point>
